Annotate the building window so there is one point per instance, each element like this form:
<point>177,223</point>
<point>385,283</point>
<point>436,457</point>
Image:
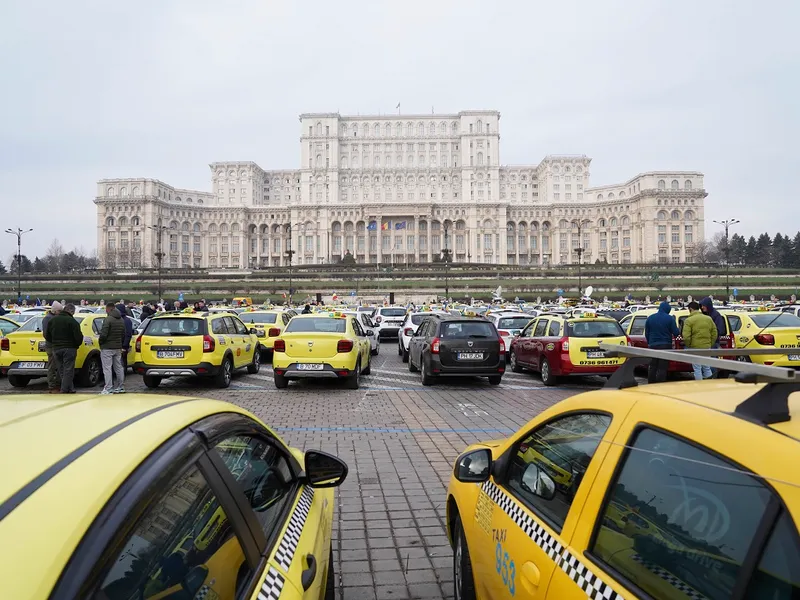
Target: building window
<point>687,185</point>
<point>556,196</point>
<point>674,184</point>
<point>662,234</point>
<point>614,239</point>
<point>487,241</point>
<point>687,234</point>
<point>224,247</point>
<point>185,245</point>
<point>173,243</point>
<point>676,234</point>
<point>626,239</point>
<point>562,242</point>
<point>603,241</point>
<point>662,185</point>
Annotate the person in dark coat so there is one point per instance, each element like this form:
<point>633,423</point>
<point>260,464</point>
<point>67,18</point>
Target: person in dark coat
<point>659,330</point>
<point>126,342</point>
<point>111,339</point>
<point>64,333</point>
<point>53,382</point>
<point>707,306</point>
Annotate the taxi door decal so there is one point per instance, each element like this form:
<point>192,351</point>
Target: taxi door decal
<point>585,579</point>
<point>272,586</point>
<point>291,537</point>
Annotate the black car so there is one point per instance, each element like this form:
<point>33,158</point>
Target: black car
<point>453,346</point>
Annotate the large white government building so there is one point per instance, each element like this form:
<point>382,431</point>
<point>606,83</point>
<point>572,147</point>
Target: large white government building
<point>401,189</point>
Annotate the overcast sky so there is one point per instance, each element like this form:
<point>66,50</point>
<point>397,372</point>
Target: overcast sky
<point>160,88</point>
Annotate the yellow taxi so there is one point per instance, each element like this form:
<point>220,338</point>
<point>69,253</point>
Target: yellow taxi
<point>558,345</point>
<point>179,498</point>
<point>664,498</point>
<point>269,324</point>
<point>766,329</point>
<point>7,326</point>
<point>322,346</point>
<point>189,344</point>
<point>23,356</point>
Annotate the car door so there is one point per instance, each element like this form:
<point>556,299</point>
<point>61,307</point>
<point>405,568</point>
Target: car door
<point>237,342</point>
<point>537,342</point>
<point>362,341</point>
<point>521,343</point>
<point>248,345</point>
<point>636,331</point>
<point>418,341</point>
<point>533,502</point>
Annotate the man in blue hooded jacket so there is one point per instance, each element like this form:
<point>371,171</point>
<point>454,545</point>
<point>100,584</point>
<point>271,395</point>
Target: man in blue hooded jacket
<point>707,306</point>
<point>660,329</point>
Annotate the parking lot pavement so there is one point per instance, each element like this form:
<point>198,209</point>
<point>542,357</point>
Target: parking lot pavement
<point>400,440</point>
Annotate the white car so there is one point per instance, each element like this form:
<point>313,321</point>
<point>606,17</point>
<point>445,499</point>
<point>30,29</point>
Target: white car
<point>388,320</point>
<point>509,324</point>
<point>409,328</point>
<point>367,325</point>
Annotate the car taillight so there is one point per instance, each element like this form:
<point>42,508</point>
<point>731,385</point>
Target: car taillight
<point>765,339</point>
<point>208,343</point>
<point>630,343</point>
<point>279,346</point>
<point>435,346</point>
<point>274,331</point>
<point>344,346</point>
<point>565,344</point>
<point>408,331</point>
<point>139,344</point>
<point>504,333</point>
<point>5,344</point>
<point>502,346</point>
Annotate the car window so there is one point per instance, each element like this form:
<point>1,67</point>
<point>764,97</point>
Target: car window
<point>316,325</point>
<point>734,322</point>
<point>555,329</point>
<point>286,318</point>
<point>512,322</point>
<point>230,325</point>
<point>185,530</point>
<point>393,312</point>
<point>638,326</point>
<point>263,474</point>
<point>562,449</point>
<point>468,329</point>
<point>7,326</point>
<point>625,322</point>
<point>219,326</point>
<point>698,517</point>
<point>541,328</point>
<point>527,331</point>
<point>583,328</point>
<point>357,328</point>
<point>175,326</point>
<point>776,320</point>
<point>417,319</point>
<point>97,325</point>
<point>32,324</point>
<point>777,576</point>
<point>422,330</point>
<point>265,318</point>
<point>240,328</point>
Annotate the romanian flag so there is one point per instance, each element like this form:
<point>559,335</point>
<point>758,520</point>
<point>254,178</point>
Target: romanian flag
<point>386,226</point>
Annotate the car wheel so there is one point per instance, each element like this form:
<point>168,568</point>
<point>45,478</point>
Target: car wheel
<point>151,381</point>
<point>512,359</point>
<point>355,379</point>
<point>744,359</point>
<point>18,381</point>
<point>368,369</point>
<point>223,377</point>
<point>547,376</point>
<point>91,373</point>
<point>255,366</point>
<point>495,379</point>
<point>425,378</point>
<point>400,348</point>
<point>405,355</point>
<point>376,350</point>
<point>330,581</point>
<point>281,382</point>
<point>464,581</point>
<point>411,366</point>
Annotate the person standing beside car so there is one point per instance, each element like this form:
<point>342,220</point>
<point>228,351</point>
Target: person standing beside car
<point>53,384</point>
<point>659,330</point>
<point>699,331</point>
<point>126,342</point>
<point>111,339</point>
<point>64,333</point>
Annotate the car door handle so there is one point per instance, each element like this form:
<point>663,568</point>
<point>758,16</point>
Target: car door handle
<point>530,577</point>
<point>310,573</point>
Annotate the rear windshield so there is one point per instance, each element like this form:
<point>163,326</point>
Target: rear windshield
<point>773,320</point>
<point>417,319</point>
<point>8,326</point>
<point>584,329</point>
<point>259,318</point>
<point>393,312</point>
<point>468,329</point>
<point>170,326</point>
<point>32,324</point>
<point>513,322</point>
<point>317,324</point>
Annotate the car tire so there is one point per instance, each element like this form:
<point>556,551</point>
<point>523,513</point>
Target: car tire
<point>91,373</point>
<point>254,367</point>
<point>354,380</point>
<point>330,580</point>
<point>424,376</point>
<point>411,367</point>
<point>152,381</point>
<point>463,579</point>
<point>19,381</point>
<point>495,379</point>
<point>744,359</point>
<point>376,350</point>
<point>405,355</point>
<point>224,376</point>
<point>547,375</point>
<point>281,382</point>
<point>512,361</point>
<point>400,349</point>
<point>368,369</point>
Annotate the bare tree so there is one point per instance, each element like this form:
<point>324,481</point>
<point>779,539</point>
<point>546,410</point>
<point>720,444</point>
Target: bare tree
<point>54,256</point>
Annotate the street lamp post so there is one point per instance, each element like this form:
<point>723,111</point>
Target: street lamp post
<point>446,266</point>
<point>159,254</point>
<point>579,250</point>
<point>19,233</point>
<point>727,224</point>
<point>289,254</point>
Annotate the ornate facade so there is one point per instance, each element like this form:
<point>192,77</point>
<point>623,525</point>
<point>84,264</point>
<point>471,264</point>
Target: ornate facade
<point>401,189</point>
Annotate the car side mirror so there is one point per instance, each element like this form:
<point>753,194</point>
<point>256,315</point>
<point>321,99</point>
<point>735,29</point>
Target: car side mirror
<point>194,580</point>
<point>474,466</point>
<point>370,333</point>
<point>324,470</point>
<point>536,481</point>
<point>254,331</point>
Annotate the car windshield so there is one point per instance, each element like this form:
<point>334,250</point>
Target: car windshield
<point>20,318</point>
<point>259,317</point>
<point>316,325</point>
<point>32,324</point>
<point>174,326</point>
<point>393,312</point>
<point>585,329</point>
<point>776,320</point>
<point>513,322</point>
<point>417,319</point>
<point>8,326</point>
<point>468,329</point>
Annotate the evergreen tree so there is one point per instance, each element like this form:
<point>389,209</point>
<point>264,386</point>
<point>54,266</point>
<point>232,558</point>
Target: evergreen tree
<point>795,264</point>
<point>763,256</point>
<point>738,249</point>
<point>782,251</point>
<point>40,266</point>
<point>750,252</point>
<point>3,267</point>
<point>27,266</point>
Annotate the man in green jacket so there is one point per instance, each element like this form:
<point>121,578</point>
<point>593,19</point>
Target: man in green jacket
<point>64,333</point>
<point>112,337</point>
<point>699,331</point>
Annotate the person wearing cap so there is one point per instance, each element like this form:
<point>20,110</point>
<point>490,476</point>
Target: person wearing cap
<point>64,333</point>
<point>53,384</point>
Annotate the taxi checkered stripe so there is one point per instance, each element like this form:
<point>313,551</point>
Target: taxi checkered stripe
<point>272,586</point>
<point>288,545</point>
<point>591,584</point>
<point>678,584</point>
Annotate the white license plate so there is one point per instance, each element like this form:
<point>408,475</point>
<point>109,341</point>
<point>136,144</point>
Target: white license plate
<point>310,367</point>
<point>169,354</point>
<point>470,356</point>
<point>794,357</point>
<point>32,365</point>
<point>595,355</point>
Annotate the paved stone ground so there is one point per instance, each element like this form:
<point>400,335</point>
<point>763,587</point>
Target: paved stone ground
<point>400,440</point>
